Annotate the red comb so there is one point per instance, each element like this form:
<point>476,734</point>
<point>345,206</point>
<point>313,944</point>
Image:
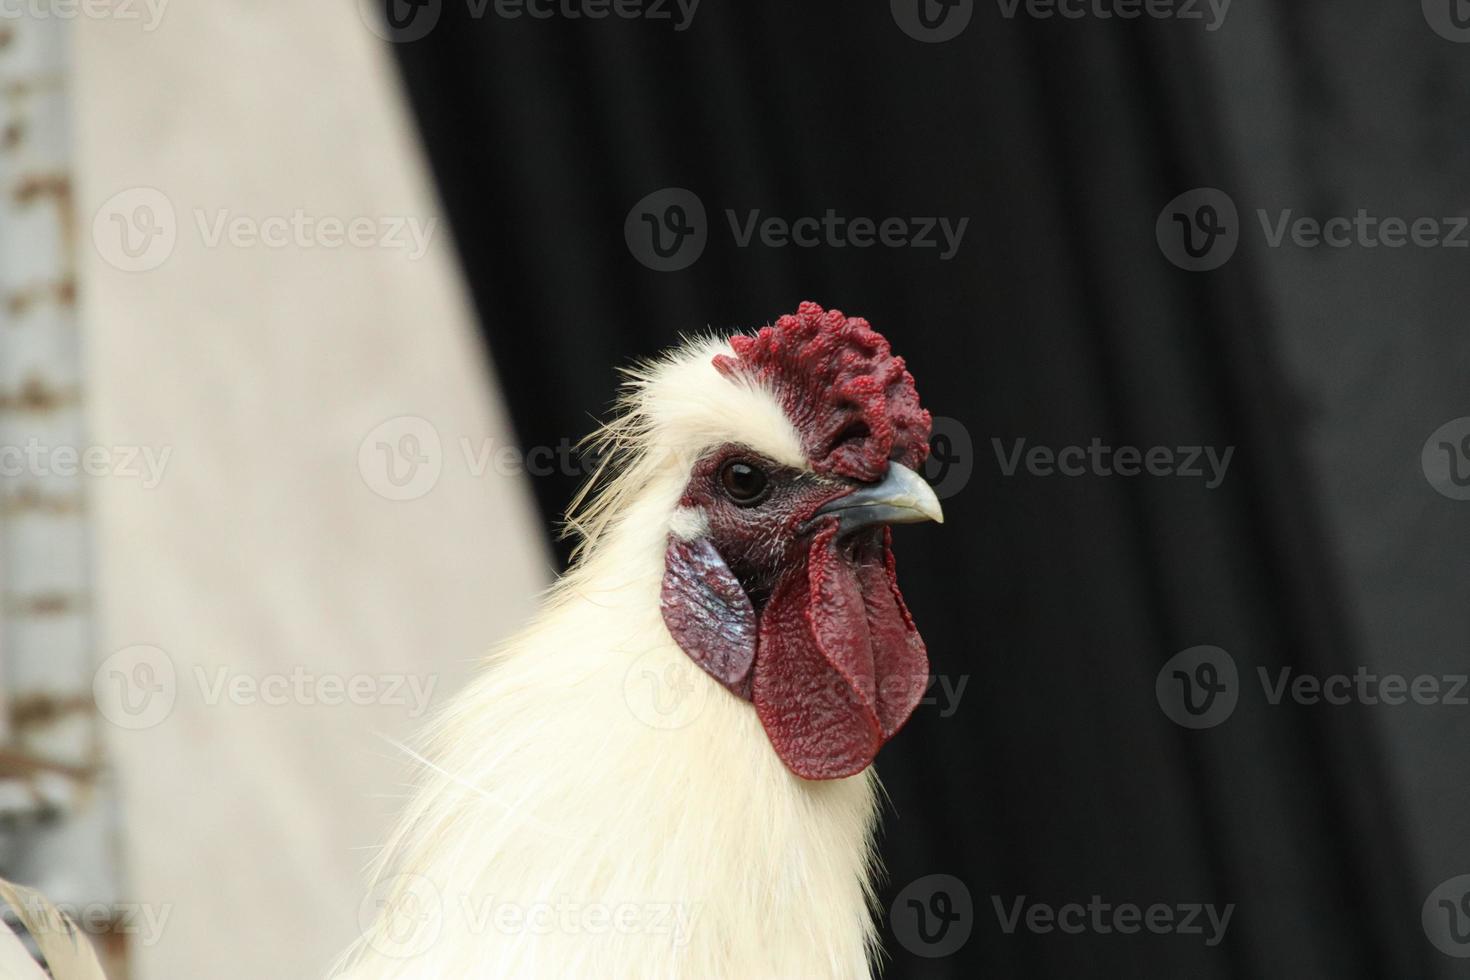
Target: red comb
<point>848,396</point>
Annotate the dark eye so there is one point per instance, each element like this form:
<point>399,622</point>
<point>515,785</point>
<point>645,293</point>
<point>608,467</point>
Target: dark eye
<point>745,484</point>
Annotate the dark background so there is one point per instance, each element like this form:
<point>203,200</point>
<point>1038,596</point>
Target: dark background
<point>1061,319</point>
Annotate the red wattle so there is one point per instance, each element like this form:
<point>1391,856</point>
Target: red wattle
<point>839,666</point>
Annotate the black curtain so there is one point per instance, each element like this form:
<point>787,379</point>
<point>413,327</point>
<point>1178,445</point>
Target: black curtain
<point>1058,320</point>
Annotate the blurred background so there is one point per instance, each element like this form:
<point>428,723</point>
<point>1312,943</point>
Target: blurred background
<point>304,306</point>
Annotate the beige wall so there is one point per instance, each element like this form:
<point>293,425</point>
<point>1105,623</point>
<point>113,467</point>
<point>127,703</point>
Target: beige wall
<point>266,547</point>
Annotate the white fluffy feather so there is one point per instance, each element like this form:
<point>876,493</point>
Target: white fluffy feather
<point>576,818</point>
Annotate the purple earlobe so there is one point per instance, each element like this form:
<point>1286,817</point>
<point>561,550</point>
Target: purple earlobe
<point>708,613</point>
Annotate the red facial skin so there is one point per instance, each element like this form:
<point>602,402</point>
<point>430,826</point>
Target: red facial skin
<point>759,542</point>
<point>808,626</point>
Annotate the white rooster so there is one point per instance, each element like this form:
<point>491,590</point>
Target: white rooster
<point>666,775</point>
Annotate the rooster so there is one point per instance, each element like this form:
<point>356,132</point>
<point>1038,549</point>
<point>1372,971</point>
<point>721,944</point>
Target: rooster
<point>667,774</point>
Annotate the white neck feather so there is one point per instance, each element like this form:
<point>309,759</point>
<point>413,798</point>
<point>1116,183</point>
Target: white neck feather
<point>597,806</point>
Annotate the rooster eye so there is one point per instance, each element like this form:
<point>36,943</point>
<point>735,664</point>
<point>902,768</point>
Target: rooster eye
<point>743,483</point>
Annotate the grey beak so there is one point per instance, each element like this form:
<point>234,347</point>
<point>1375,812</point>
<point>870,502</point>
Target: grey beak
<point>902,497</point>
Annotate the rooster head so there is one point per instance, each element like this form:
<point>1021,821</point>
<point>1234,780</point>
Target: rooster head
<point>778,574</point>
<point>768,467</point>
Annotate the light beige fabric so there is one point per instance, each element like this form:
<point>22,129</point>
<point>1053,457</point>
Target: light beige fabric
<point>266,550</point>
